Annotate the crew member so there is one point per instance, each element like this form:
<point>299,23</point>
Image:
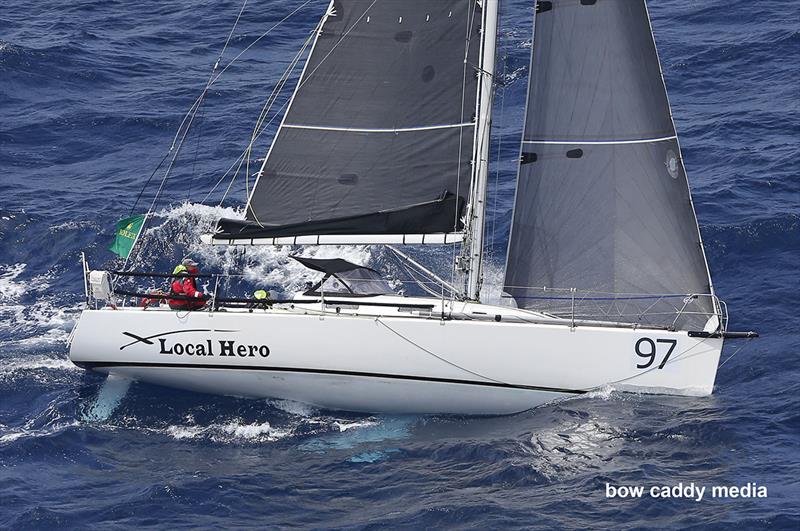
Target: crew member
<point>261,299</point>
<point>185,286</point>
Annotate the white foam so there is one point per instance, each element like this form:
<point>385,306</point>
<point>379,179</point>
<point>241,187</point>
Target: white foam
<point>299,409</point>
<point>74,225</point>
<point>492,288</point>
<point>50,337</point>
<point>24,322</point>
<point>24,432</point>
<point>573,447</point>
<point>185,432</point>
<point>31,363</point>
<point>182,225</point>
<point>603,393</point>
<point>254,431</point>
<point>344,426</point>
<point>517,73</point>
<point>230,432</point>
<point>10,289</point>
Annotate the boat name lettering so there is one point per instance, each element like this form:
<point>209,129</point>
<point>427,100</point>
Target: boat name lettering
<point>226,348</point>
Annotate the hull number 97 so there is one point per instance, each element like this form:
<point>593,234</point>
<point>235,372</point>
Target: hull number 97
<point>650,351</point>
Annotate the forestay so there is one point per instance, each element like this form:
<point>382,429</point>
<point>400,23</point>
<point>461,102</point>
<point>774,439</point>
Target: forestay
<point>378,136</point>
<point>603,203</point>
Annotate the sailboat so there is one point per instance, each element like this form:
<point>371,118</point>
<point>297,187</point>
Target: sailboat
<point>385,141</point>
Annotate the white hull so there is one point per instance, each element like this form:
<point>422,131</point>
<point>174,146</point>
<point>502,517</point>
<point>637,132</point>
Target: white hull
<point>398,363</point>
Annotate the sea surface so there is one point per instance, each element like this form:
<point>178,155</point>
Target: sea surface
<point>91,95</point>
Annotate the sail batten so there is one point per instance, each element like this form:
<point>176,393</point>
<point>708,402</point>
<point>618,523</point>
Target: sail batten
<point>600,142</point>
<point>602,202</point>
<point>381,120</point>
<point>364,130</point>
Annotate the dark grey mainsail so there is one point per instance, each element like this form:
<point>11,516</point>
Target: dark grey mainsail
<point>378,137</point>
<point>603,203</point>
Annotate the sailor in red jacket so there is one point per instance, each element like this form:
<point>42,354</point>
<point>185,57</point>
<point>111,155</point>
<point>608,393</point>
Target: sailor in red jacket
<point>186,286</point>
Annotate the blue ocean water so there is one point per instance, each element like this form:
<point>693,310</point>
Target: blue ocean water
<point>91,94</point>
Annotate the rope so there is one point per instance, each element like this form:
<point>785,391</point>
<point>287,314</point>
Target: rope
<point>681,356</point>
<point>146,184</point>
<point>497,164</point>
<point>213,79</point>
<point>239,161</point>
<point>734,353</point>
<point>186,123</point>
<point>404,338</point>
<point>273,97</point>
<point>654,367</point>
<point>284,19</point>
<point>470,22</point>
<point>196,105</point>
<point>307,77</point>
<point>199,137</point>
<point>191,114</point>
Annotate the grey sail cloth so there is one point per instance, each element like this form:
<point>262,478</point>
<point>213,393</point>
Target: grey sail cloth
<point>603,203</point>
<point>382,118</point>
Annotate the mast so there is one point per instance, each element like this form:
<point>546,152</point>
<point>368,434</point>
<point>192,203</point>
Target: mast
<point>477,211</point>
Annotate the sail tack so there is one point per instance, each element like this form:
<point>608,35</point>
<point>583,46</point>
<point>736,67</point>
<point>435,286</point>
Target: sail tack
<point>603,203</point>
<point>378,137</point>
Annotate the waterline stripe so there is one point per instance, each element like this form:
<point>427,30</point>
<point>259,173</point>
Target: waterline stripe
<point>600,142</point>
<point>132,364</point>
<point>360,130</point>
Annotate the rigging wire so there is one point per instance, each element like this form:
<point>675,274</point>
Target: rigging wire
<point>147,183</point>
<point>470,22</point>
<point>213,79</point>
<point>276,91</point>
<point>188,119</point>
<point>193,174</point>
<point>307,77</point>
<point>497,162</point>
<point>746,343</point>
<point>302,82</point>
<point>284,19</point>
<point>236,163</point>
<point>191,115</point>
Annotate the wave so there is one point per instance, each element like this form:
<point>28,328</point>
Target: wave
<point>229,432</point>
<point>176,231</point>
<point>29,309</point>
<point>32,363</point>
<point>13,435</point>
<point>315,432</point>
<point>10,288</point>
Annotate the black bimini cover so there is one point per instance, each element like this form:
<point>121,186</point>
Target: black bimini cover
<point>433,216</point>
<point>381,123</point>
<point>345,278</point>
<point>329,266</point>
